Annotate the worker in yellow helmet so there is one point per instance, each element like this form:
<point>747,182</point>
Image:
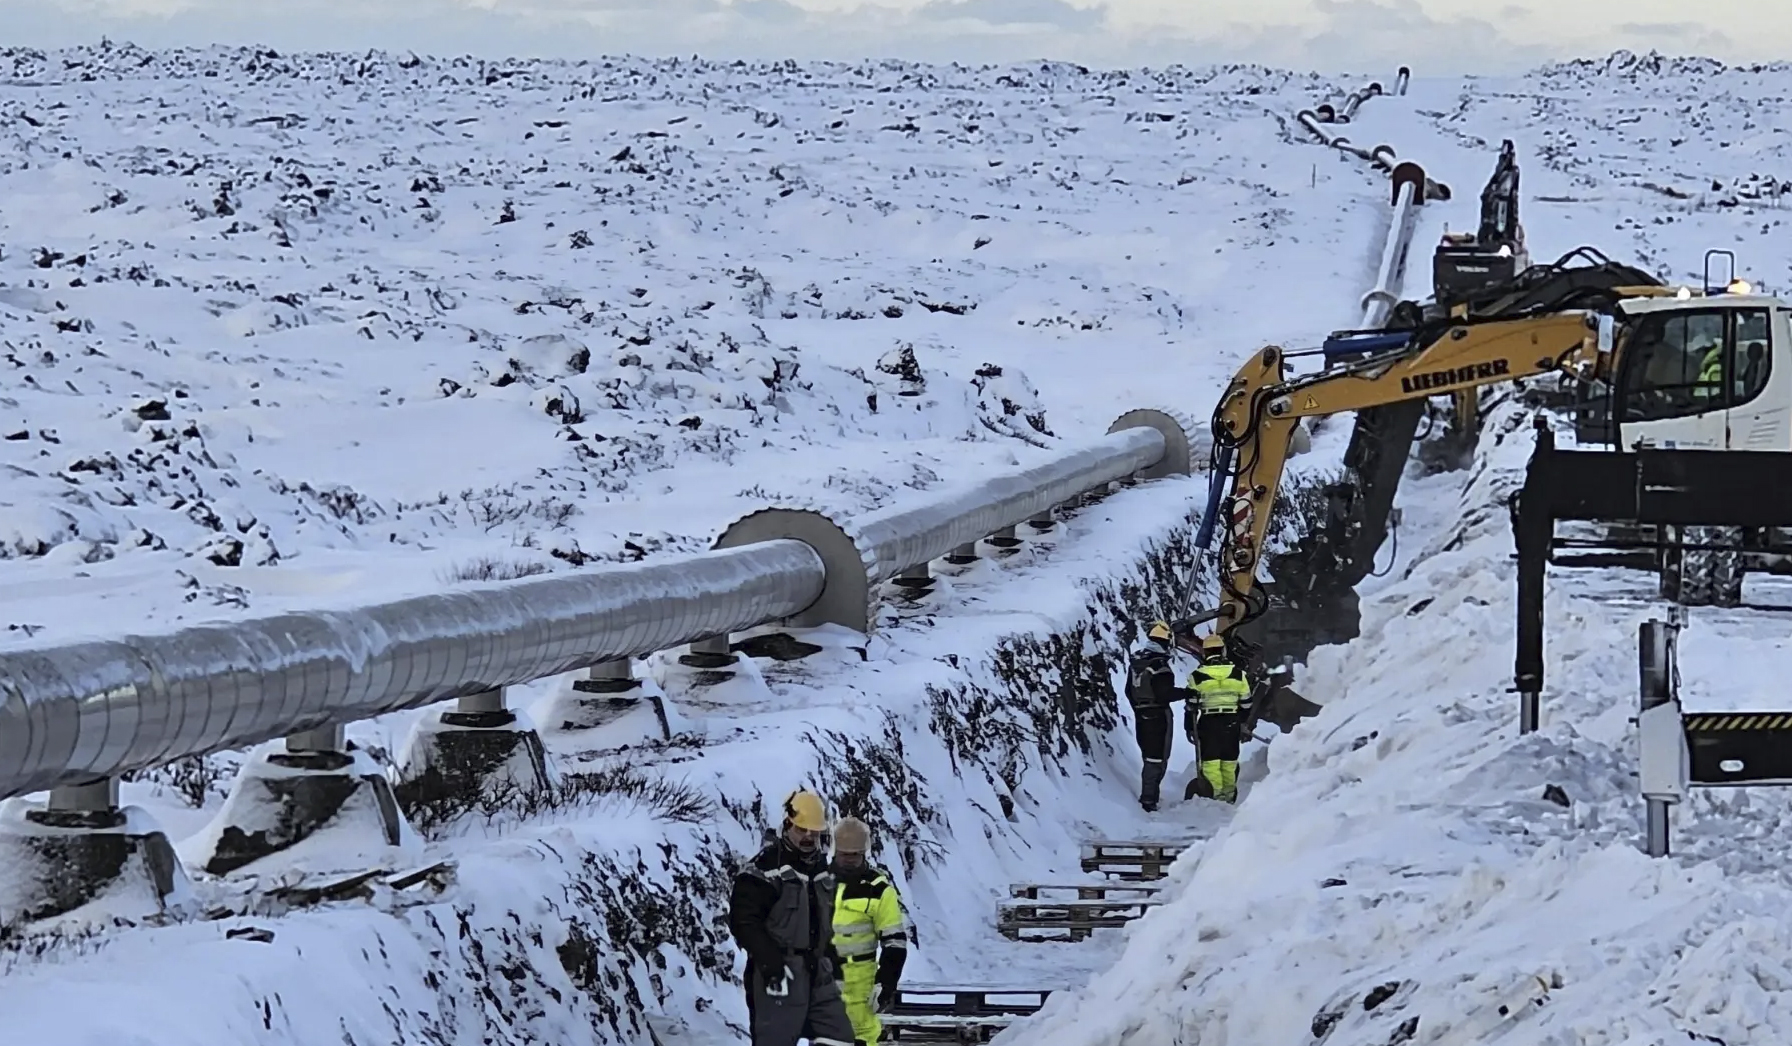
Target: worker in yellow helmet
<point>1151,690</point>
<point>870,930</point>
<point>782,916</point>
<point>1215,720</point>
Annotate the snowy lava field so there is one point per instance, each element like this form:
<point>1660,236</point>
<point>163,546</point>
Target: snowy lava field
<point>284,331</point>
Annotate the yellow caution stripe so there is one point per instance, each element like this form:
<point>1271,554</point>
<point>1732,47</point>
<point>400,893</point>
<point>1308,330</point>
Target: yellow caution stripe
<point>1738,721</point>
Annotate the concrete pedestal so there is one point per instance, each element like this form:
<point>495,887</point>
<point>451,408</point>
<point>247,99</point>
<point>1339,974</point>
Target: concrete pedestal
<point>464,755</point>
<point>282,798</point>
<point>56,861</point>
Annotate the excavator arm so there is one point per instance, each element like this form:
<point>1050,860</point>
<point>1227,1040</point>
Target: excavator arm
<point>1256,417</point>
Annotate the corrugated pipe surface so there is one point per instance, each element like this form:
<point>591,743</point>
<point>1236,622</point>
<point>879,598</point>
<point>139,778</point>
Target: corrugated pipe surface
<point>72,713</point>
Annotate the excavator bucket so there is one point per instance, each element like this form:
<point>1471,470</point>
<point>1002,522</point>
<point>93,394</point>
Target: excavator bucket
<point>1279,703</point>
<point>1284,707</point>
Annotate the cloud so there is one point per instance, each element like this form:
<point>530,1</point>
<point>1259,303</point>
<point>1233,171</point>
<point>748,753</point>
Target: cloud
<point>1680,37</point>
<point>941,30</point>
<point>776,12</point>
<point>1053,13</point>
<point>1335,36</point>
<point>1403,32</point>
<point>530,28</point>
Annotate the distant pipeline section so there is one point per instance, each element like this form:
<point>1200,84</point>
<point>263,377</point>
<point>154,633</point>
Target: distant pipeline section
<point>1466,270</point>
<point>1314,583</point>
<point>1312,610</point>
<point>1317,119</point>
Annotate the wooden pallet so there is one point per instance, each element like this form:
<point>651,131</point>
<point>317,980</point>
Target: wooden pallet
<point>968,1014</point>
<point>1083,891</point>
<point>1076,920</point>
<point>1135,861</point>
<point>944,1027</point>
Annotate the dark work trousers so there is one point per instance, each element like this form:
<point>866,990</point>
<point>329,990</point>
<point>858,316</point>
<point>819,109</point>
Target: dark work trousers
<point>811,1008</point>
<point>1151,725</point>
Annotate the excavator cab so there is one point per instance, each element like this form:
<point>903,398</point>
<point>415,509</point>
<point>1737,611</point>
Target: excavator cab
<point>1706,372</point>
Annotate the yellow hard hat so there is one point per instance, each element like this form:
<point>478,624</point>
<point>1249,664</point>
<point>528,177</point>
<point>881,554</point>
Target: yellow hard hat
<point>1159,631</point>
<point>1213,644</point>
<point>805,810</point>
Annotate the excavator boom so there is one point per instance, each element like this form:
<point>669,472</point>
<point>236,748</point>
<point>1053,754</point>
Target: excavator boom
<point>1257,415</point>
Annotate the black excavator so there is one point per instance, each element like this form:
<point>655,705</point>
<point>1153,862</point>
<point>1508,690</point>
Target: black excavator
<point>1494,253</point>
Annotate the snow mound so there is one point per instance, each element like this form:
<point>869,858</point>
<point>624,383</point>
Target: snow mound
<point>1411,869</point>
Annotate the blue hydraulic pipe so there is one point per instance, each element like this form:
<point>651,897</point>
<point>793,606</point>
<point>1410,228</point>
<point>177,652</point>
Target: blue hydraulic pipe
<point>1352,342</point>
<point>1216,489</point>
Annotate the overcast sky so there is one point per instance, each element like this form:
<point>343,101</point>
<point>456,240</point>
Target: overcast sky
<point>1432,36</point>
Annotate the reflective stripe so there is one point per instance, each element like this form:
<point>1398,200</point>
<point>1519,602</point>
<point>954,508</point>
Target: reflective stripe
<point>781,872</point>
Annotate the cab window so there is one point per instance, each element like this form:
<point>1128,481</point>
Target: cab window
<point>1675,366</point>
<point>1750,359</point>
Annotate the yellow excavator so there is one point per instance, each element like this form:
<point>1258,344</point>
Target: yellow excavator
<point>1677,367</point>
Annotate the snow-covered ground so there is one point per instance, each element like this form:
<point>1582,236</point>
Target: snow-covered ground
<point>1396,871</point>
<point>559,925</point>
<point>288,331</point>
<point>370,373</point>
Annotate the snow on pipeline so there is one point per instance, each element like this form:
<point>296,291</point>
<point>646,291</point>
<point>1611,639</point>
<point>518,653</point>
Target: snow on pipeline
<point>1411,870</point>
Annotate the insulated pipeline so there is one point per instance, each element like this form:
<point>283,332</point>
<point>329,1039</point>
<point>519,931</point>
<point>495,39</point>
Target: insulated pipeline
<point>896,539</point>
<point>72,713</point>
<point>76,712</point>
<point>1380,300</point>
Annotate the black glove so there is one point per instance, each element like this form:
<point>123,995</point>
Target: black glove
<point>777,982</point>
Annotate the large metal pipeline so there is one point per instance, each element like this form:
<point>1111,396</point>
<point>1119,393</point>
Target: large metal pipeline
<point>1355,100</point>
<point>85,710</point>
<point>1379,300</point>
<point>1382,157</point>
<point>895,539</point>
<point>72,713</point>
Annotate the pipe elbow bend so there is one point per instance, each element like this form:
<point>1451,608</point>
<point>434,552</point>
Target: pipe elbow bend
<point>1380,295</point>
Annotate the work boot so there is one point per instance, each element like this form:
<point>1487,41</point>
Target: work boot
<point>1150,781</point>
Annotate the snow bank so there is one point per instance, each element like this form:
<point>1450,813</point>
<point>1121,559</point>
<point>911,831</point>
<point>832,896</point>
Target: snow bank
<point>1411,869</point>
